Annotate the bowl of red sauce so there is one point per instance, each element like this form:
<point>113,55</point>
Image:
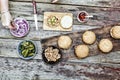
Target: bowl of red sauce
<point>82,16</point>
<point>21,27</point>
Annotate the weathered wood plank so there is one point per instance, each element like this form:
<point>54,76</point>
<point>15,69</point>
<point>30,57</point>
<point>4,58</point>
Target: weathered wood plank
<point>102,16</point>
<point>112,57</point>
<point>37,35</point>
<point>99,3</point>
<point>23,10</point>
<point>37,70</point>
<point>8,48</point>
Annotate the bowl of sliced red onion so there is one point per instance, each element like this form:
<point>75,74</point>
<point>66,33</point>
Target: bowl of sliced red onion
<point>22,27</point>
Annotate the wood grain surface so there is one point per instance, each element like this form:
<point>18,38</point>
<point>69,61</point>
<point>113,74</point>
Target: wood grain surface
<point>97,66</point>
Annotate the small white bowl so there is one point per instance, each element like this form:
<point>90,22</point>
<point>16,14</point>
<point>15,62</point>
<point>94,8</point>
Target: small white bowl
<point>86,19</point>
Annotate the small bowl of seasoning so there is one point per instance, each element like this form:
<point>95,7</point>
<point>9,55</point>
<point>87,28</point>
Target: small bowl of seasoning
<point>22,27</point>
<point>51,55</point>
<point>83,16</point>
<point>27,49</point>
<point>52,21</point>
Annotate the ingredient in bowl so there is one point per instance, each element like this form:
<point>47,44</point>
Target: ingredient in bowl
<point>115,32</point>
<point>27,49</point>
<point>82,51</point>
<point>105,45</point>
<point>52,21</point>
<point>66,22</point>
<point>82,16</point>
<point>64,42</point>
<point>22,27</point>
<point>52,54</point>
<point>89,37</point>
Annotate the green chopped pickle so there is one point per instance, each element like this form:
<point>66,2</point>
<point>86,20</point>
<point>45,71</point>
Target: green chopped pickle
<point>52,21</point>
<point>27,49</point>
<point>31,54</point>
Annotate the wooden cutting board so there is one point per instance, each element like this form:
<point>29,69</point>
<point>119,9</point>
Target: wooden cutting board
<point>76,37</point>
<point>59,16</point>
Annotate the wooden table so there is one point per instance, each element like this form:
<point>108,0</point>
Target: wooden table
<point>99,67</point>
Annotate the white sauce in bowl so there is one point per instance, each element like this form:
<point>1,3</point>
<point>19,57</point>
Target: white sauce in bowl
<point>66,22</point>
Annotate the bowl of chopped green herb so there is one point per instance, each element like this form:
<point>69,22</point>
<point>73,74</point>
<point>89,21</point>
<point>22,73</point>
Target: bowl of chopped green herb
<point>27,49</point>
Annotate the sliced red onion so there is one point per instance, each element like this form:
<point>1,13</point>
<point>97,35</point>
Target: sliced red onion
<point>22,27</point>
